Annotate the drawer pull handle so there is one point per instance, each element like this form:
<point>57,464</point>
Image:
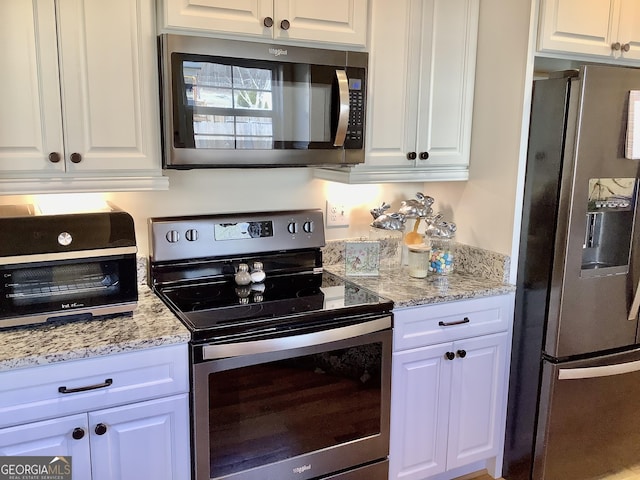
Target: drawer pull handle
<point>449,355</point>
<point>106,383</point>
<point>451,324</point>
<point>78,433</point>
<point>462,353</point>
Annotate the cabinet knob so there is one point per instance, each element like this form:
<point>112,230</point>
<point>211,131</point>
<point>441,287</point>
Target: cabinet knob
<point>616,46</point>
<point>101,429</point>
<point>450,355</point>
<point>75,157</point>
<point>284,24</point>
<point>268,22</point>
<point>78,433</point>
<point>626,47</point>
<point>462,353</point>
<point>424,155</point>
<point>54,157</point>
<point>411,156</point>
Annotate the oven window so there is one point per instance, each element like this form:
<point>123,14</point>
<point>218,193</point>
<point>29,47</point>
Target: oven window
<point>268,412</point>
<point>66,286</point>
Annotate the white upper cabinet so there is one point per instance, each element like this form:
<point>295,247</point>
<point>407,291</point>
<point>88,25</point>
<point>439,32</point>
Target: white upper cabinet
<point>328,21</point>
<point>604,28</point>
<point>80,107</point>
<point>422,56</point>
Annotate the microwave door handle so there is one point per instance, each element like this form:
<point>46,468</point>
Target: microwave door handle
<point>343,115</point>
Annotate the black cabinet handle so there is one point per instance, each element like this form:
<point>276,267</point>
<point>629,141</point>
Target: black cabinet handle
<point>451,324</point>
<point>424,155</point>
<point>450,355</point>
<point>411,156</point>
<point>284,24</point>
<point>75,157</point>
<point>101,429</point>
<point>462,353</point>
<point>268,22</point>
<point>54,157</point>
<point>77,433</point>
<point>106,383</point>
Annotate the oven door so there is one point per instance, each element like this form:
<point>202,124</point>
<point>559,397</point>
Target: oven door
<point>301,406</point>
<point>37,292</point>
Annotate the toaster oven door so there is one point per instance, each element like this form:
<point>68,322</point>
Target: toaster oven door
<point>37,292</point>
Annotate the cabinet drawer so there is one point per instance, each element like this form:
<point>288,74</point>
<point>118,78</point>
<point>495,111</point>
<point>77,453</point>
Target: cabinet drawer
<point>431,324</point>
<point>32,394</point>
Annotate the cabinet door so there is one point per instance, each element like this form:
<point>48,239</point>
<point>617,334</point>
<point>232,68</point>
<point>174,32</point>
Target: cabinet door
<point>51,438</point>
<point>332,21</point>
<point>244,17</point>
<point>109,92</point>
<point>30,117</point>
<point>422,56</point>
<point>143,440</point>
<point>447,79</point>
<point>578,26</point>
<point>420,384</point>
<point>629,28</point>
<point>478,386</point>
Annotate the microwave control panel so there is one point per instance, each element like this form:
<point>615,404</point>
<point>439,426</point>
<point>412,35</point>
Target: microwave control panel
<point>355,132</point>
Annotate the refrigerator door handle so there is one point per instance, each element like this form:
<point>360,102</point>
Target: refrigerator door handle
<point>594,372</point>
<point>635,305</point>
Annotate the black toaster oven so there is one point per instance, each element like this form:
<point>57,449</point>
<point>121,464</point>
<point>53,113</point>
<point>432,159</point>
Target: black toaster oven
<point>65,266</point>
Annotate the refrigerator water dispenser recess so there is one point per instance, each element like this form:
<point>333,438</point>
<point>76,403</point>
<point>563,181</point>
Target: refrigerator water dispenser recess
<point>608,227</point>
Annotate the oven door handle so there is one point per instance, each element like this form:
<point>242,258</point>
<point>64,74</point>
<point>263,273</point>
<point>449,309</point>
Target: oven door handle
<point>213,352</point>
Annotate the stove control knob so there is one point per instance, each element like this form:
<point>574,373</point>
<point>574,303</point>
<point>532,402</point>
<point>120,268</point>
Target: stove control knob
<point>172,236</point>
<point>293,228</point>
<point>191,235</point>
<point>308,226</point>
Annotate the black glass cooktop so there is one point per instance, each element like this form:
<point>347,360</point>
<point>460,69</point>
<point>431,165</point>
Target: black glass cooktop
<point>222,309</point>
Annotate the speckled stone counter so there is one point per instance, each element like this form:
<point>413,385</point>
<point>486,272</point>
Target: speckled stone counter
<point>479,273</point>
<point>151,325</point>
<point>405,291</point>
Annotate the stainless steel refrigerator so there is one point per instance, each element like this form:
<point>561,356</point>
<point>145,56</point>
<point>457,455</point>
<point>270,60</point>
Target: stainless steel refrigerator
<point>574,391</point>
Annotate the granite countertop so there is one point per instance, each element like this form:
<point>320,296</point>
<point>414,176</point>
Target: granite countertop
<point>395,284</point>
<point>152,324</point>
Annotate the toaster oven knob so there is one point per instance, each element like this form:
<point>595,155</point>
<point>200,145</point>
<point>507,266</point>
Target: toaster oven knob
<point>172,236</point>
<point>292,228</point>
<point>191,235</point>
<point>65,239</point>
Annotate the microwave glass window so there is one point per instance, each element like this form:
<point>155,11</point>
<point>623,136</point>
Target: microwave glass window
<point>258,106</point>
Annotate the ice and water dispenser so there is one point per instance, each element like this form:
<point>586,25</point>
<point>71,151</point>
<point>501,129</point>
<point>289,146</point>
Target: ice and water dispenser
<point>609,226</point>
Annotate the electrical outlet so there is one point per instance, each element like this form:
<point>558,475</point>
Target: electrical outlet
<point>337,215</point>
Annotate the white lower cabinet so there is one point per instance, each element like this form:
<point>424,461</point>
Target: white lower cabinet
<point>130,441</point>
<point>448,399</point>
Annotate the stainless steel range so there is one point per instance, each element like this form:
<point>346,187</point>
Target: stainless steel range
<point>291,365</point>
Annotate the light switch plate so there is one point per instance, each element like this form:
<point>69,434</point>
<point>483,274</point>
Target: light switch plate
<point>337,215</point>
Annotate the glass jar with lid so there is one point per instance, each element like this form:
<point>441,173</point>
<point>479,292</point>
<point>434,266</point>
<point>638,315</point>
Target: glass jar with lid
<point>418,260</point>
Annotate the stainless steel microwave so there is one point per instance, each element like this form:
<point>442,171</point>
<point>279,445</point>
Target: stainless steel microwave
<point>228,103</point>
